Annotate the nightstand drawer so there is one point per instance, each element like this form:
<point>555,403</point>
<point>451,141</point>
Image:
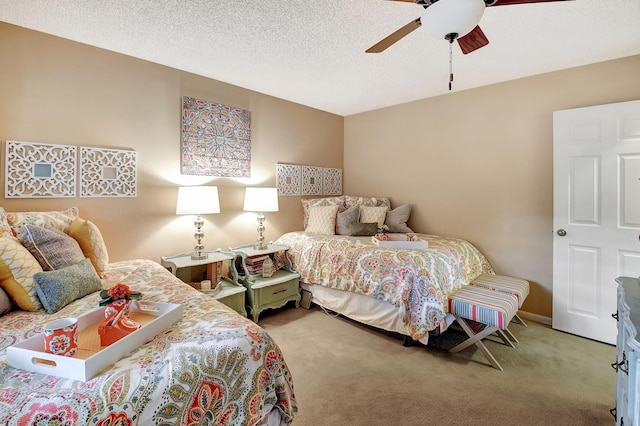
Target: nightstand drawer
<point>276,292</point>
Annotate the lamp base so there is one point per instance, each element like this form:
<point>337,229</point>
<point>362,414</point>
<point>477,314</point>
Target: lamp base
<point>260,246</point>
<point>199,256</point>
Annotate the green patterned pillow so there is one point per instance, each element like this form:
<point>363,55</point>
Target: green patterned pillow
<point>56,289</point>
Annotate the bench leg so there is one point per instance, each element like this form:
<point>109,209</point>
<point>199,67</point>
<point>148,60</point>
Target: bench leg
<point>519,320</point>
<point>507,337</point>
<point>476,339</point>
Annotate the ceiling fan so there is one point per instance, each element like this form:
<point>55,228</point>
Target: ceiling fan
<point>450,20</point>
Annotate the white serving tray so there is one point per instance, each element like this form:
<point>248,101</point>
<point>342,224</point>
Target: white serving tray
<point>400,241</point>
<point>91,358</point>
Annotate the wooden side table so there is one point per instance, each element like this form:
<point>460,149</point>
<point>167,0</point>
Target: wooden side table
<point>264,293</point>
<point>228,291</point>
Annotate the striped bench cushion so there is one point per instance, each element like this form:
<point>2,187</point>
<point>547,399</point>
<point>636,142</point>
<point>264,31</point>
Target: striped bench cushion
<point>483,305</point>
<point>505,284</point>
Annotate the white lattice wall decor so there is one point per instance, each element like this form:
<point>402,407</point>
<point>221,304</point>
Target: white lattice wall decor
<point>38,170</point>
<point>288,179</point>
<point>332,182</point>
<point>107,172</point>
<point>311,180</point>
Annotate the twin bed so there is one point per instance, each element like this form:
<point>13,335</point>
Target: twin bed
<point>399,290</point>
<point>213,366</point>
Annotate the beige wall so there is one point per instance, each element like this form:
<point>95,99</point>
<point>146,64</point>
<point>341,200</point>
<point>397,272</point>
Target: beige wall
<point>475,164</point>
<point>478,164</point>
<point>61,92</point>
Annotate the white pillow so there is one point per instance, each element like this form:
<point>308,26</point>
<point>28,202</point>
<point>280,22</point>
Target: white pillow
<point>322,219</point>
<point>370,214</point>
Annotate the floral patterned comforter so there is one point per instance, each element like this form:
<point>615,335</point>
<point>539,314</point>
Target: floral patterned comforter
<point>416,282</point>
<point>211,367</point>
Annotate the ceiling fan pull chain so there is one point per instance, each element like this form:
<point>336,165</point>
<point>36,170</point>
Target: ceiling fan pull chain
<point>450,38</point>
<point>450,65</point>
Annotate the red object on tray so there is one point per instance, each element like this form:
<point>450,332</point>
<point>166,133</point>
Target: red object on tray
<point>115,327</point>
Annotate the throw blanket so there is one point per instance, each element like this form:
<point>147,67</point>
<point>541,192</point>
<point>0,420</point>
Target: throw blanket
<point>211,367</point>
<point>416,281</point>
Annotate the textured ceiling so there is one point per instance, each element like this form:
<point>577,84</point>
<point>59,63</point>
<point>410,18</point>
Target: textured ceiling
<point>312,53</point>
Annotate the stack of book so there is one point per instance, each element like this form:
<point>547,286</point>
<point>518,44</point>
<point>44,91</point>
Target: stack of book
<point>254,265</point>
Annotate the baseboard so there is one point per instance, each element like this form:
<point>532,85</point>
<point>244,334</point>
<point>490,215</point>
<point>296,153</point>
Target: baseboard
<point>535,317</point>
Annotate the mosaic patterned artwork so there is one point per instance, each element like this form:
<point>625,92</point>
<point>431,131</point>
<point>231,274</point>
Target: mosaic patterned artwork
<point>38,170</point>
<point>332,181</point>
<point>311,180</point>
<point>107,172</point>
<point>216,139</point>
<point>288,179</point>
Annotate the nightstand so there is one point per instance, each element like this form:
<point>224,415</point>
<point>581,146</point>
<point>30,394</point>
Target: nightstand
<point>264,293</point>
<point>193,272</point>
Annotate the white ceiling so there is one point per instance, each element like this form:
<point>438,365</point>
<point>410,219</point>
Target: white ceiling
<point>312,52</point>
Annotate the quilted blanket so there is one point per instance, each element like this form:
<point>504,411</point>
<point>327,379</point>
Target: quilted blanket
<point>416,281</point>
<point>211,367</point>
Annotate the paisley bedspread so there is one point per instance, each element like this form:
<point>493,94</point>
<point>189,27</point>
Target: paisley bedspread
<point>416,281</point>
<point>211,367</point>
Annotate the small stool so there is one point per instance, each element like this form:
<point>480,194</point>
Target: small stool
<point>494,309</point>
<point>505,284</point>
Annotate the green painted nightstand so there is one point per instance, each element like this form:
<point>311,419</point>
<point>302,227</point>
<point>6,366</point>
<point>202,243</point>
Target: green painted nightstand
<point>264,293</point>
<point>193,272</point>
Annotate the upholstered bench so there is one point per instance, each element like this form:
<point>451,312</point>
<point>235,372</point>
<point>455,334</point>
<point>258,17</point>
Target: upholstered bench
<point>493,309</point>
<point>505,284</point>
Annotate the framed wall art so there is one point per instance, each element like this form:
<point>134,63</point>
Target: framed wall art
<point>108,172</point>
<point>288,179</point>
<point>39,170</point>
<point>311,180</point>
<point>332,181</point>
<point>216,139</point>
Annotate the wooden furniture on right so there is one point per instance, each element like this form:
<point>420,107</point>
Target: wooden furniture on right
<point>627,364</point>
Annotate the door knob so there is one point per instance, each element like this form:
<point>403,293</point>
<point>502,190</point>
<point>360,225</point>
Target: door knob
<point>562,232</point>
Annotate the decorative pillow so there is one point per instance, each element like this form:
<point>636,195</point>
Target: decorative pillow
<point>5,302</point>
<point>397,219</point>
<point>57,289</point>
<point>373,214</point>
<point>322,220</point>
<point>5,228</point>
<point>363,229</point>
<point>310,202</point>
<point>59,220</point>
<point>345,218</point>
<point>87,234</point>
<point>366,201</point>
<point>51,248</point>
<point>17,267</point>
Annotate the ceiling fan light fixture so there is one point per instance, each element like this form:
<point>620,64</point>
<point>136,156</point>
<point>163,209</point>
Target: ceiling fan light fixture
<point>452,16</point>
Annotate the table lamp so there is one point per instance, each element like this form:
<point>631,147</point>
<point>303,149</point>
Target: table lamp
<point>261,200</point>
<point>198,200</point>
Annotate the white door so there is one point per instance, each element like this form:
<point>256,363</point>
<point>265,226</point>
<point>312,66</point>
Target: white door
<point>596,214</point>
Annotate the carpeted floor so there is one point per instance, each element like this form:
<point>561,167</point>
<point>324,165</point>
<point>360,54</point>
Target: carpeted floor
<point>348,374</point>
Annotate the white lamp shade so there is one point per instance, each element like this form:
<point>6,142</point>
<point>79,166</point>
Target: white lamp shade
<point>198,200</point>
<point>452,16</point>
<point>261,199</point>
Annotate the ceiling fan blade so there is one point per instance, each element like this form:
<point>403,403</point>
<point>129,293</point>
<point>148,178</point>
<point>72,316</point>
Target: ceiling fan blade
<point>510,2</point>
<point>473,41</point>
<point>391,39</point>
